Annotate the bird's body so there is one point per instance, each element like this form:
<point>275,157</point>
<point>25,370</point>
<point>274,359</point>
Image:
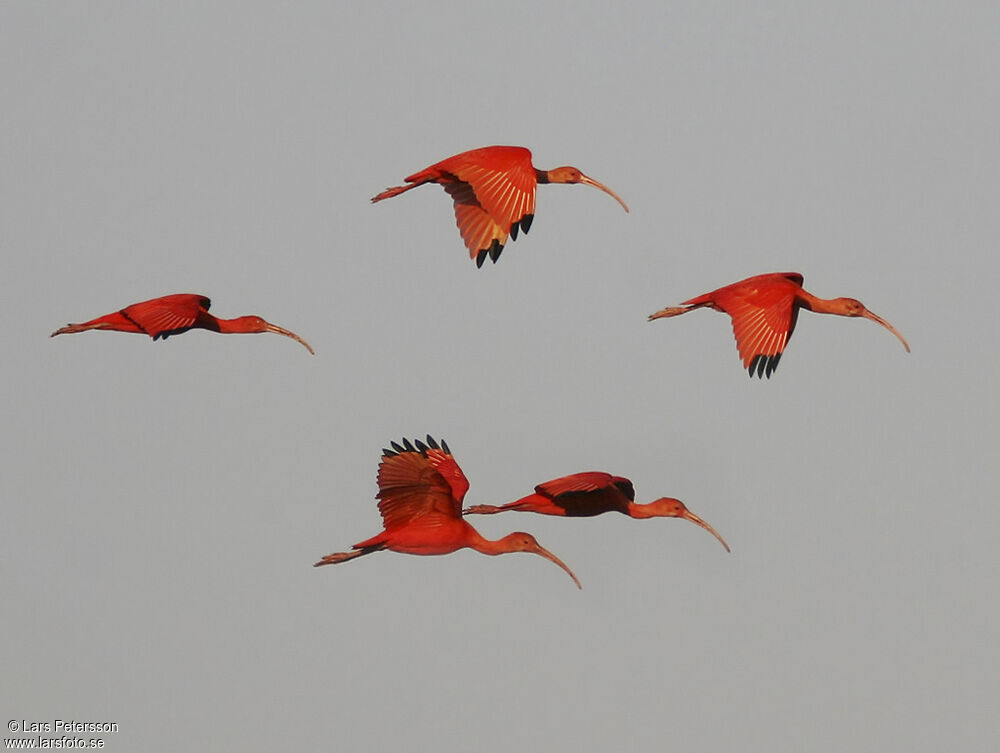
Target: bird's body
<point>493,189</point>
<point>173,314</point>
<point>584,495</point>
<point>420,493</point>
<point>764,310</point>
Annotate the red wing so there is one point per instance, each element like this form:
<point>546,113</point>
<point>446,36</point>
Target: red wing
<point>411,487</point>
<point>168,314</point>
<point>763,313</point>
<point>479,230</point>
<point>589,481</point>
<point>587,494</point>
<point>503,179</point>
<point>771,278</point>
<point>445,464</point>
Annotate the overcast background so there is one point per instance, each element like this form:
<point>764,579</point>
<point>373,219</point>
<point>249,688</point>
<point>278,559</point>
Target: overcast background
<point>163,503</point>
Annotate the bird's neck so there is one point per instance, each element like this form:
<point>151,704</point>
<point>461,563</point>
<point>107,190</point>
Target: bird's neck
<point>808,301</point>
<point>542,176</point>
<point>484,546</point>
<point>228,326</point>
<point>640,510</point>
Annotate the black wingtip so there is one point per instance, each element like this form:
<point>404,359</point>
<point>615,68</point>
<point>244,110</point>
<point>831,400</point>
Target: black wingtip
<point>444,446</point>
<point>396,447</point>
<point>526,223</point>
<point>763,366</point>
<point>432,443</point>
<point>408,445</point>
<point>496,248</point>
<point>513,231</point>
<point>388,453</point>
<point>480,258</point>
<point>772,364</point>
<point>420,446</point>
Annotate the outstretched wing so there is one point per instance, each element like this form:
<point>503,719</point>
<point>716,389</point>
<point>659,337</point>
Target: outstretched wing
<point>167,315</point>
<point>493,189</point>
<point>417,480</point>
<point>764,313</point>
<point>483,236</point>
<point>588,493</point>
<point>588,481</point>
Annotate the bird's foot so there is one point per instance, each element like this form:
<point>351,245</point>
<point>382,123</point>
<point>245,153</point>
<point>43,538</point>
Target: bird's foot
<point>669,311</point>
<point>337,557</point>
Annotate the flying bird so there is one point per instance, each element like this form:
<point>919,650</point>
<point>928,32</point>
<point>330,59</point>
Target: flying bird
<point>494,193</point>
<point>173,314</point>
<point>420,493</point>
<point>764,310</point>
<point>583,495</point>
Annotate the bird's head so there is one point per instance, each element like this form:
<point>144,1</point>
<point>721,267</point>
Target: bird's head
<point>567,174</point>
<point>521,542</point>
<point>251,323</point>
<point>255,324</point>
<point>668,507</point>
<point>525,542</point>
<point>853,307</point>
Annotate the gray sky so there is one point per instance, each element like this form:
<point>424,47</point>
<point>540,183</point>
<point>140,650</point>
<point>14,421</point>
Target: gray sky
<point>163,502</point>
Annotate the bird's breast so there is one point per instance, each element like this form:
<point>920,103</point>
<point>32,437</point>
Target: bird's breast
<point>444,538</point>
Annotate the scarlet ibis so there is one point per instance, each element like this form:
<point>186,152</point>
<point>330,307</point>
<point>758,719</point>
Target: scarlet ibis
<point>173,314</point>
<point>420,493</point>
<point>494,193</point>
<point>583,495</point>
<point>764,310</point>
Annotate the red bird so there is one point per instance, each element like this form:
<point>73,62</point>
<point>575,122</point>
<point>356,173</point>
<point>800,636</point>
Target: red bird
<point>583,495</point>
<point>764,310</point>
<point>494,193</point>
<point>420,493</point>
<point>173,314</point>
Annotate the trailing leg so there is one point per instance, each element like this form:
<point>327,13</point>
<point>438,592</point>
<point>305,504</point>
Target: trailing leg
<point>337,557</point>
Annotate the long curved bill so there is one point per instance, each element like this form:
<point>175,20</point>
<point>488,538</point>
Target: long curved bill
<point>288,333</point>
<point>608,191</point>
<point>688,515</point>
<point>552,558</point>
<point>875,318</point>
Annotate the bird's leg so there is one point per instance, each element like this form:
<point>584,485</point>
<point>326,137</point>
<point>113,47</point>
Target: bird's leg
<point>337,557</point>
<point>482,510</point>
<point>670,311</point>
<point>397,190</point>
<point>519,505</point>
<point>71,329</point>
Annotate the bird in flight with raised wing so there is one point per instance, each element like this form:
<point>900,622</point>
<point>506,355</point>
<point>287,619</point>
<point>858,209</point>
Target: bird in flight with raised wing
<point>420,493</point>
